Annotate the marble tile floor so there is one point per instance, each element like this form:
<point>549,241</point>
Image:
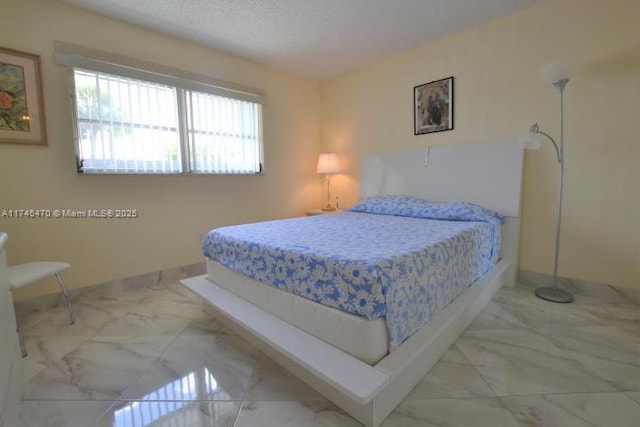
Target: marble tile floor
<point>151,356</point>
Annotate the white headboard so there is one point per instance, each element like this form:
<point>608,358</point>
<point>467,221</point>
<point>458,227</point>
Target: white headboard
<point>488,174</point>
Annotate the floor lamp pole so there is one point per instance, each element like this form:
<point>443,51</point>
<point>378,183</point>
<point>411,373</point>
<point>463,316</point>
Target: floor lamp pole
<point>553,293</point>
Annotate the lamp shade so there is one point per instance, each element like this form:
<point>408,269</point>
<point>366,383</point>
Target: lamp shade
<point>559,70</point>
<point>529,141</point>
<point>328,163</point>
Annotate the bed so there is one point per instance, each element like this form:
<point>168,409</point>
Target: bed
<point>366,341</point>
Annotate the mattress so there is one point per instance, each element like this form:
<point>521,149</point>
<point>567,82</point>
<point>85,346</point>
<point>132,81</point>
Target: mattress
<point>364,339</point>
<point>402,268</point>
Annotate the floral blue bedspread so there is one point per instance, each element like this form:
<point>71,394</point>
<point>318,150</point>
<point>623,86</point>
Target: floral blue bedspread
<point>390,264</point>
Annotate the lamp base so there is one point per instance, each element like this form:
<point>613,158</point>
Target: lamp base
<point>554,295</point>
<point>328,208</point>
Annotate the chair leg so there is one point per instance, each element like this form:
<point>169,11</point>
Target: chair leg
<point>23,347</point>
<point>72,317</point>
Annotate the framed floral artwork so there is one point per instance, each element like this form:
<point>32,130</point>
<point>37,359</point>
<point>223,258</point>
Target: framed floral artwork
<point>433,106</point>
<point>21,106</point>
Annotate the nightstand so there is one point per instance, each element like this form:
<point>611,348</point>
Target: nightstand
<point>313,212</point>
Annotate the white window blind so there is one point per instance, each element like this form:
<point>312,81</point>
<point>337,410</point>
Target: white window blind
<point>126,125</point>
<point>135,117</point>
<point>224,134</point>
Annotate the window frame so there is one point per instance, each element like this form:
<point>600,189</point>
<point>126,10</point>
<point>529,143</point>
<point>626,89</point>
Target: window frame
<point>85,59</point>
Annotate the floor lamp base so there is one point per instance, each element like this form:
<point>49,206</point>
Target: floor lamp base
<point>554,295</point>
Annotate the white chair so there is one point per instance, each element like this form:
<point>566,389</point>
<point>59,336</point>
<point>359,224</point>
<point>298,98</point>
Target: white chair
<point>22,275</point>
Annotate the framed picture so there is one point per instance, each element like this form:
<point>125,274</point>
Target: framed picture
<point>433,106</point>
<point>21,105</point>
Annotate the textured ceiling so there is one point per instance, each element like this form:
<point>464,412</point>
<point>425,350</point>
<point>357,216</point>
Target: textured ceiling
<point>316,39</point>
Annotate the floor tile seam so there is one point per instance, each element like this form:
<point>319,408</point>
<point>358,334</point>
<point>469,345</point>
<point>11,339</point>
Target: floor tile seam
<point>455,345</point>
<point>148,367</point>
<point>484,380</point>
<point>237,411</point>
<point>611,389</point>
<point>96,334</point>
<point>253,367</point>
<point>504,306</point>
<point>544,395</point>
<point>94,302</point>
<point>333,406</point>
<point>518,329</point>
<point>467,398</point>
<point>97,419</point>
<point>562,393</point>
<point>565,355</point>
<point>66,400</point>
<point>597,356</point>
<point>133,399</point>
<point>118,318</point>
<point>593,372</point>
<point>513,414</point>
<point>157,359</point>
<point>568,355</point>
<point>318,399</point>
<point>237,415</point>
<point>138,399</point>
<point>627,393</point>
<point>106,411</point>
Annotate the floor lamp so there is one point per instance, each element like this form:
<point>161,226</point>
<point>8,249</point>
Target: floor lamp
<point>531,141</point>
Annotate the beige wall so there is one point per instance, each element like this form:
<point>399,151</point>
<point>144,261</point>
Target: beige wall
<point>498,94</point>
<point>174,210</point>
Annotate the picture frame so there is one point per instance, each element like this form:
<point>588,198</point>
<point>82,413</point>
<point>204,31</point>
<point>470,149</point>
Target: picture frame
<point>433,106</point>
<point>22,118</point>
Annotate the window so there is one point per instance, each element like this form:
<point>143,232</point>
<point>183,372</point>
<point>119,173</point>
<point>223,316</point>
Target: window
<point>224,134</point>
<point>126,125</point>
<point>132,121</point>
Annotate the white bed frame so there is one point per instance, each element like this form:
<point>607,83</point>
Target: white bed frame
<point>488,174</point>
